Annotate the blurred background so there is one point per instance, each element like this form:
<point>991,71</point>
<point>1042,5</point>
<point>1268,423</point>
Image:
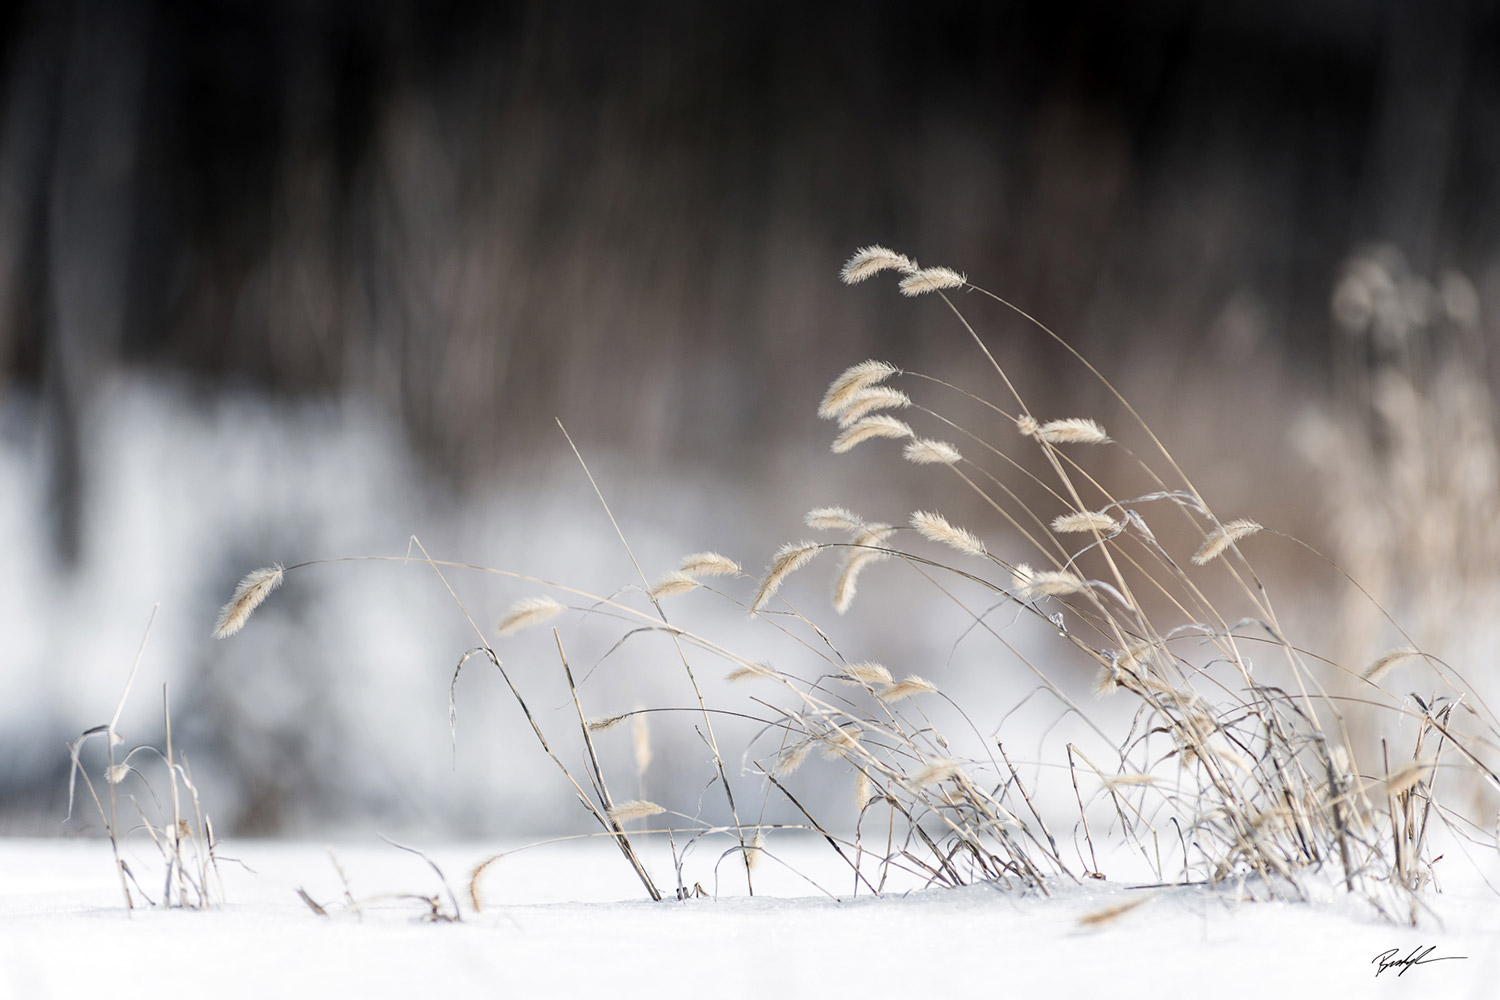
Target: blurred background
<point>286,281</point>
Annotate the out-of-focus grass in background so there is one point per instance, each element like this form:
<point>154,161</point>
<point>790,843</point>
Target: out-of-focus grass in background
<point>286,281</point>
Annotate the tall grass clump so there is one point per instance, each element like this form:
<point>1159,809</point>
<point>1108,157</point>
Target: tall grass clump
<point>174,820</point>
<point>1216,747</point>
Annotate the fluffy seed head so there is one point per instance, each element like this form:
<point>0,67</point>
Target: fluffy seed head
<point>930,279</point>
<point>867,401</point>
<point>709,564</point>
<point>859,555</point>
<point>1216,542</point>
<point>748,671</point>
<point>529,611</point>
<point>938,770</point>
<point>936,527</point>
<point>853,380</point>
<point>606,723</point>
<point>1027,425</point>
<point>641,740</point>
<point>908,687</point>
<point>879,425</point>
<point>1051,583</point>
<point>117,774</point>
<point>1386,664</point>
<point>1085,521</point>
<point>754,848</point>
<point>634,809</point>
<point>841,742</point>
<point>1071,430</point>
<point>1020,577</point>
<point>252,590</point>
<point>791,759</point>
<point>834,519</point>
<point>674,583</point>
<point>1406,777</point>
<point>1127,780</point>
<point>871,260</point>
<point>788,559</point>
<point>864,791</point>
<point>866,673</point>
<point>925,451</point>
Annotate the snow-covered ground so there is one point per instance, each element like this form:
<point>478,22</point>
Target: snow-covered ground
<point>570,920</point>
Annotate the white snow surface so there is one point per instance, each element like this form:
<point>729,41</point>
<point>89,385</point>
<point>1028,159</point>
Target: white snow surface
<point>569,919</point>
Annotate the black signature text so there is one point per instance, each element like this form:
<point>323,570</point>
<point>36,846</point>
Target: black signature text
<point>1391,959</point>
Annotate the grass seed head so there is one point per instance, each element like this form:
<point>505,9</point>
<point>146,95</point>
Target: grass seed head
<point>871,260</point>
<point>1051,583</point>
<point>709,564</point>
<point>866,673</point>
<point>925,451</point>
<point>878,426</point>
<point>1071,430</point>
<point>788,559</point>
<point>853,380</point>
<point>749,671</point>
<point>1218,541</point>
<point>529,611</point>
<point>791,759</point>
<point>634,809</point>
<point>906,688</point>
<point>868,400</point>
<point>931,279</point>
<point>1407,776</point>
<point>1385,664</point>
<point>937,771</point>
<point>248,595</point>
<point>834,519</point>
<point>935,527</point>
<point>1084,522</point>
<point>641,738</point>
<point>674,583</point>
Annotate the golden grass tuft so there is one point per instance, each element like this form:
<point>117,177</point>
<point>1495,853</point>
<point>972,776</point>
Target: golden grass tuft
<point>529,611</point>
<point>938,770</point>
<point>1218,541</point>
<point>936,527</point>
<point>1051,583</point>
<point>1070,430</point>
<point>925,451</point>
<point>634,809</point>
<point>1376,671</point>
<point>748,671</point>
<point>790,759</point>
<point>674,583</point>
<point>931,279</point>
<point>248,595</point>
<point>871,260</point>
<point>834,519</point>
<point>850,383</point>
<point>709,564</point>
<point>868,400</point>
<point>878,426</point>
<point>788,559</point>
<point>908,686</point>
<point>640,738</point>
<point>1084,522</point>
<point>866,673</point>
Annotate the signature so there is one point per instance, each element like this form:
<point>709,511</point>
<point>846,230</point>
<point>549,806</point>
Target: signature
<point>1388,960</point>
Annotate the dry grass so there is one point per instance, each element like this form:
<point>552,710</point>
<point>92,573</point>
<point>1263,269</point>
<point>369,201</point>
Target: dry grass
<point>1223,754</point>
<point>179,828</point>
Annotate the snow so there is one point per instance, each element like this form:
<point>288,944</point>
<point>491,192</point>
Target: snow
<point>570,919</point>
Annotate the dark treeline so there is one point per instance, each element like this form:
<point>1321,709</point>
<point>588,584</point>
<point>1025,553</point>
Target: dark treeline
<point>489,214</point>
